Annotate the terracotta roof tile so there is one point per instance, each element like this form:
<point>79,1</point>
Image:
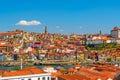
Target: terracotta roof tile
<point>74,77</point>
<point>25,71</point>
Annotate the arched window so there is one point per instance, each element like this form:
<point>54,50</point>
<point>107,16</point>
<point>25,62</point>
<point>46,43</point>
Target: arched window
<point>48,78</point>
<point>29,79</point>
<point>43,78</point>
<point>38,78</point>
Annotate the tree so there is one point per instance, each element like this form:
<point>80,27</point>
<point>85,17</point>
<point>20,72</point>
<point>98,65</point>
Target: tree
<point>63,70</point>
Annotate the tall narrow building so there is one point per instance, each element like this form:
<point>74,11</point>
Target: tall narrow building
<point>100,32</point>
<point>46,31</point>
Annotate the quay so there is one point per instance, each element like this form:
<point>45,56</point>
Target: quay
<point>32,62</point>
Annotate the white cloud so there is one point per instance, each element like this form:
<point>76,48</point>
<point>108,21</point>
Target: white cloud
<point>57,27</point>
<point>61,30</point>
<point>80,27</point>
<point>29,23</point>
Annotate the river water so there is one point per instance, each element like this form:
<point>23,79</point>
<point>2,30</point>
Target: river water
<point>58,67</point>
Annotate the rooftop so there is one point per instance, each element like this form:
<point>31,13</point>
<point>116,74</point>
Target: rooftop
<point>23,72</point>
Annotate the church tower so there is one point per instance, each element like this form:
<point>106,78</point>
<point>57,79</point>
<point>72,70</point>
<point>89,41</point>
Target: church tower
<point>46,30</point>
<point>100,32</point>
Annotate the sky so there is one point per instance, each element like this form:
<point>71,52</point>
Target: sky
<point>60,16</point>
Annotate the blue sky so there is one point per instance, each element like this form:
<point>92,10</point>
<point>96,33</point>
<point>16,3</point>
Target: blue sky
<point>62,16</point>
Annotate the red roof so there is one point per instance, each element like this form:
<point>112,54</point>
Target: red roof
<point>115,29</point>
<point>23,72</point>
<point>74,77</point>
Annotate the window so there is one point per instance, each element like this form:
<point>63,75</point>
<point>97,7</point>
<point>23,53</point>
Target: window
<point>43,78</point>
<point>38,78</point>
<point>48,78</point>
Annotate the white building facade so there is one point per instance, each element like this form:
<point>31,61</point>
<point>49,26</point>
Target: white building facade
<point>29,77</point>
<point>29,73</point>
<point>115,33</point>
<point>98,39</point>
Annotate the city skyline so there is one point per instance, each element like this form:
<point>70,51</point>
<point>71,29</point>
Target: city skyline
<point>61,16</point>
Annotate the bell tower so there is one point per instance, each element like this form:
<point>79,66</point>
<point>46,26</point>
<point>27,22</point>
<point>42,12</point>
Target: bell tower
<point>46,30</point>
